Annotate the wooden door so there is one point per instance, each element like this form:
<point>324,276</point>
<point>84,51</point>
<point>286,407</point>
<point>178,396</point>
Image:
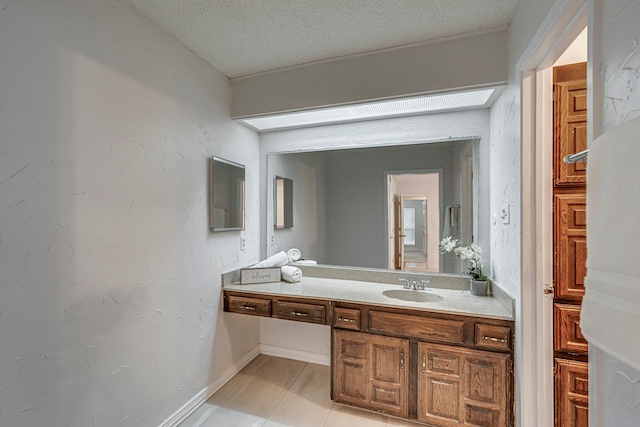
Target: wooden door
<point>570,244</point>
<point>391,226</point>
<point>458,386</point>
<point>371,372</point>
<point>400,231</point>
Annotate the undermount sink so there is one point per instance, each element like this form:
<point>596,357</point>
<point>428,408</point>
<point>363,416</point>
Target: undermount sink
<point>412,295</point>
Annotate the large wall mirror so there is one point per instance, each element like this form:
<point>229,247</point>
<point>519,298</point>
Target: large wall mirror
<point>348,202</point>
<point>227,195</point>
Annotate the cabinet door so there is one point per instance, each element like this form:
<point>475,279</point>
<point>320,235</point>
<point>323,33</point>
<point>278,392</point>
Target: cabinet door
<point>570,245</point>
<point>572,393</point>
<point>371,371</point>
<point>459,386</point>
<point>570,122</point>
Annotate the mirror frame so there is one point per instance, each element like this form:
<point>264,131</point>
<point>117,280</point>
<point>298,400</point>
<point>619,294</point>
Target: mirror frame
<point>241,189</point>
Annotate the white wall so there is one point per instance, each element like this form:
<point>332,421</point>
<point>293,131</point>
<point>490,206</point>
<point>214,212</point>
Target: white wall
<point>110,310</point>
<point>614,386</point>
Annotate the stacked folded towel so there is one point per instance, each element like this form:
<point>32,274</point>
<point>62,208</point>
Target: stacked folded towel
<point>277,260</point>
<point>291,274</point>
<point>293,254</point>
<point>281,259</point>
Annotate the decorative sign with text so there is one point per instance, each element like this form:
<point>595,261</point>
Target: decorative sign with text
<point>260,275</point>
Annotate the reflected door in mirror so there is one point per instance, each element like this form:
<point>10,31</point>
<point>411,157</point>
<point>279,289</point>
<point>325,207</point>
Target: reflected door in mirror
<point>284,202</point>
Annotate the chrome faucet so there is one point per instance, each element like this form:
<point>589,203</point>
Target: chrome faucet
<point>414,284</point>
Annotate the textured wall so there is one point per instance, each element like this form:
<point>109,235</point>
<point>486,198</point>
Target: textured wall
<point>617,386</point>
<point>109,277</point>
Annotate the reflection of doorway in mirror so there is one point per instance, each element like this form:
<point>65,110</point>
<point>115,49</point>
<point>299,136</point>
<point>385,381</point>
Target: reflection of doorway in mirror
<point>414,219</point>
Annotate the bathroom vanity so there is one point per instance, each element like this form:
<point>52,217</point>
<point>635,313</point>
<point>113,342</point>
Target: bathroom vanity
<point>439,356</point>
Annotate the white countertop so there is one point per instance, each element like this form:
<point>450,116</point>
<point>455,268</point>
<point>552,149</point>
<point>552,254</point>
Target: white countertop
<point>431,299</point>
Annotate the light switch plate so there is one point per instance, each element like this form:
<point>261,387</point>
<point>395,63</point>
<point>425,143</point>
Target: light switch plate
<point>505,214</point>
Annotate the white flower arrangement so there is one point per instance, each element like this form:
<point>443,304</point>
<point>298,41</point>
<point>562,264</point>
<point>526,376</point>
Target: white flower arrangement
<point>464,250</point>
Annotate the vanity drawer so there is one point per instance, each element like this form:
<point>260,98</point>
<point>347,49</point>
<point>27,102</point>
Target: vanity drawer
<point>495,337</point>
<point>247,305</point>
<point>301,312</point>
<point>346,318</point>
<point>451,331</point>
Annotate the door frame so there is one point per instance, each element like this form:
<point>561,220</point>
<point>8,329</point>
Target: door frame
<point>564,22</point>
<point>440,173</point>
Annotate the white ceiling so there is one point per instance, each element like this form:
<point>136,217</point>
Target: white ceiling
<point>244,37</point>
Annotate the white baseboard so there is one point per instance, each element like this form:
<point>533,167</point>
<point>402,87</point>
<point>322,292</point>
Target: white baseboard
<point>203,395</point>
<point>301,355</point>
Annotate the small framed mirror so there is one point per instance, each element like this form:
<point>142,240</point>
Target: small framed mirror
<point>227,195</point>
<point>283,203</point>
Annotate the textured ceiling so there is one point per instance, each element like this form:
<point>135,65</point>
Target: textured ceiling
<point>244,37</point>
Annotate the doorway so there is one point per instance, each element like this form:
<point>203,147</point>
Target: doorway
<point>413,212</point>
<point>536,349</point>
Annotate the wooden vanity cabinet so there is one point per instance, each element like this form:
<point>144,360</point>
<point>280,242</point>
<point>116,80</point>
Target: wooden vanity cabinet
<point>439,369</point>
<point>371,372</point>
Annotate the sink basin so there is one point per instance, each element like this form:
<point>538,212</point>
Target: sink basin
<point>411,295</point>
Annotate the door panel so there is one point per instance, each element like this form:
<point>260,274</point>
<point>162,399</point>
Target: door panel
<point>458,386</point>
<point>571,245</point>
<point>569,338</point>
<point>572,399</point>
<point>570,124</point>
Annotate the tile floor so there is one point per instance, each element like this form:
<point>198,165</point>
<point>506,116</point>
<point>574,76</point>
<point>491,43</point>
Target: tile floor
<point>275,392</point>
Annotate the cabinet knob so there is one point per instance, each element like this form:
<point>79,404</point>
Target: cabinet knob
<point>248,307</point>
<point>299,313</point>
<point>424,363</point>
<point>401,360</point>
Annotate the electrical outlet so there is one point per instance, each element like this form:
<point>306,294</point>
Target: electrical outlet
<point>505,214</point>
<point>243,244</point>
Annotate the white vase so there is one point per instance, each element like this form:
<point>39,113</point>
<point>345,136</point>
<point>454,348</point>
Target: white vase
<point>479,287</point>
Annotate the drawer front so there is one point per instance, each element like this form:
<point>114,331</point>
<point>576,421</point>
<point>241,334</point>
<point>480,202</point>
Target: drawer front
<point>246,305</point>
<point>493,336</point>
<point>451,331</point>
<point>568,335</point>
<point>346,318</point>
<point>310,313</point>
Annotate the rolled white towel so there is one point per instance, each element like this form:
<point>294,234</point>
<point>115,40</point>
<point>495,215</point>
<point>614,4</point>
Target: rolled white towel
<point>291,274</point>
<point>276,260</point>
<point>293,254</point>
<point>306,262</point>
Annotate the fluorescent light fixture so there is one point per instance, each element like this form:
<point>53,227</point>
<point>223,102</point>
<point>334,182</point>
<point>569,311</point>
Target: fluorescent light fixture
<point>373,110</point>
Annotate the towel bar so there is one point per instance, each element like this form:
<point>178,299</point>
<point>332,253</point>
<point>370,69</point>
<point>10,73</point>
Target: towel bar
<point>577,157</point>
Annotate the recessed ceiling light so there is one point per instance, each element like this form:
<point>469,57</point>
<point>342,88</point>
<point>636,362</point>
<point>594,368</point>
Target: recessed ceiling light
<point>373,110</point>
